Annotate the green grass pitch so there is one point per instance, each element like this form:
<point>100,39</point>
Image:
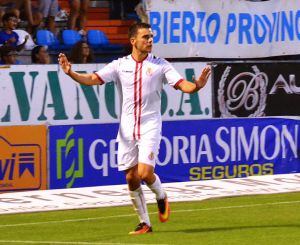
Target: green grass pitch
<point>260,219</point>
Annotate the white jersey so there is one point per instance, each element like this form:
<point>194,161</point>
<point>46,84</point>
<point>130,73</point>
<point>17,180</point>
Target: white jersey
<point>139,85</point>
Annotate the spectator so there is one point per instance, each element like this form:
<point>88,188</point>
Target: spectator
<point>9,56</point>
<point>81,53</point>
<point>78,12</point>
<point>24,7</point>
<point>140,10</point>
<point>22,35</point>
<point>8,6</point>
<point>49,10</point>
<point>34,18</point>
<point>117,9</point>
<point>120,9</point>
<point>40,55</point>
<point>7,36</point>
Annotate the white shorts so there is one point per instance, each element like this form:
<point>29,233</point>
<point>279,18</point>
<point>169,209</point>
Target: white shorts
<point>132,152</point>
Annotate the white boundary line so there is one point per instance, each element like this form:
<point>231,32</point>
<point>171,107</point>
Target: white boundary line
<point>129,215</point>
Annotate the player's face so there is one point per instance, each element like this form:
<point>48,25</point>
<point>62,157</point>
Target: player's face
<point>143,40</point>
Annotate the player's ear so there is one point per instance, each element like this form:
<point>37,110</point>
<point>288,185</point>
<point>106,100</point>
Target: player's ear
<point>132,41</point>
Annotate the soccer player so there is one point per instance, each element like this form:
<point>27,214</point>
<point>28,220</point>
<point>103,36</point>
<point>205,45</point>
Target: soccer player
<point>139,78</point>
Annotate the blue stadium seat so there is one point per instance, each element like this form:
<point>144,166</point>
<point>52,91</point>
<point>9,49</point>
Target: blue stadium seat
<point>47,38</point>
<point>98,40</point>
<point>71,37</point>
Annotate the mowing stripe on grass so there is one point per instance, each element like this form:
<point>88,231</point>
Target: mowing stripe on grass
<point>129,215</point>
<point>79,243</point>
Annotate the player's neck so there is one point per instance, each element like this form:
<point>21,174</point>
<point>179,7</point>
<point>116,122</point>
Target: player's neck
<point>139,56</point>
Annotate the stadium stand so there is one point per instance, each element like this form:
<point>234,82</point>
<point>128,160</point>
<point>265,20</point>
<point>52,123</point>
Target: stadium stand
<point>70,37</point>
<point>97,39</point>
<point>98,19</point>
<point>108,37</point>
<point>47,38</point>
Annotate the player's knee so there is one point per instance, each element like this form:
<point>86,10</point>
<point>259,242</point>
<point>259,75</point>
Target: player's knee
<point>132,177</point>
<point>146,176</point>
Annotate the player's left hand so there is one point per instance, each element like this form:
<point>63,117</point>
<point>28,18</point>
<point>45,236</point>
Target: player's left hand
<point>203,78</point>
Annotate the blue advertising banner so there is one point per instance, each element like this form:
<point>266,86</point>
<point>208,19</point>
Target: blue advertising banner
<point>86,155</point>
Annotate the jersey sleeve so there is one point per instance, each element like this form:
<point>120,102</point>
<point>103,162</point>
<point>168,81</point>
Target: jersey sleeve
<point>172,77</point>
<point>109,72</point>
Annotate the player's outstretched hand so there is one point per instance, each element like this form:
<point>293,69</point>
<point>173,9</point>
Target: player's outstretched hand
<point>202,80</point>
<point>64,63</point>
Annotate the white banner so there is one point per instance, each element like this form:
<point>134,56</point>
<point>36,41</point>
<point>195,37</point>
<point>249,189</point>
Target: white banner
<point>117,195</point>
<point>42,94</point>
<point>225,28</point>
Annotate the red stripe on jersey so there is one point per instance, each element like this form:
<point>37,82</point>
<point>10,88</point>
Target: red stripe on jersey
<point>135,98</point>
<point>176,84</point>
<point>100,79</point>
<point>140,102</point>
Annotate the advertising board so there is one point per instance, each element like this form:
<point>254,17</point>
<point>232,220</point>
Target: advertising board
<point>86,155</point>
<point>23,158</point>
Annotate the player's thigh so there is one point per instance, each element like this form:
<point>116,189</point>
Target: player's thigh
<point>127,154</point>
<point>148,151</point>
<point>145,171</point>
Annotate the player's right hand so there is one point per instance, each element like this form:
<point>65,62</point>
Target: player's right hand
<point>64,63</point>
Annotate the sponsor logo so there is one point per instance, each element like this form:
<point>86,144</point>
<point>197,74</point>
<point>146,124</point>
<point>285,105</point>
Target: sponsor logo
<point>231,171</point>
<point>20,166</point>
<point>69,158</point>
<point>245,91</point>
<point>42,96</point>
<point>255,93</point>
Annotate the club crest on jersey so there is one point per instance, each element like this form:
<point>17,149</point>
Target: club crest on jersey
<point>151,156</point>
<point>149,71</point>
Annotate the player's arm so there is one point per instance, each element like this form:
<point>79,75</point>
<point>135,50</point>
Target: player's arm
<point>192,87</point>
<point>86,79</point>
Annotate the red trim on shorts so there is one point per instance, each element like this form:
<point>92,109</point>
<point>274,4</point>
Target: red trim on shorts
<point>178,82</point>
<point>100,79</point>
<point>135,98</point>
<point>140,102</point>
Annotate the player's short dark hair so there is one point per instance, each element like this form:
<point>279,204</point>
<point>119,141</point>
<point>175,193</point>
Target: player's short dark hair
<point>7,16</point>
<point>133,29</point>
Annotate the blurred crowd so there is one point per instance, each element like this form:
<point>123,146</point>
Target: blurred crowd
<point>21,19</point>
